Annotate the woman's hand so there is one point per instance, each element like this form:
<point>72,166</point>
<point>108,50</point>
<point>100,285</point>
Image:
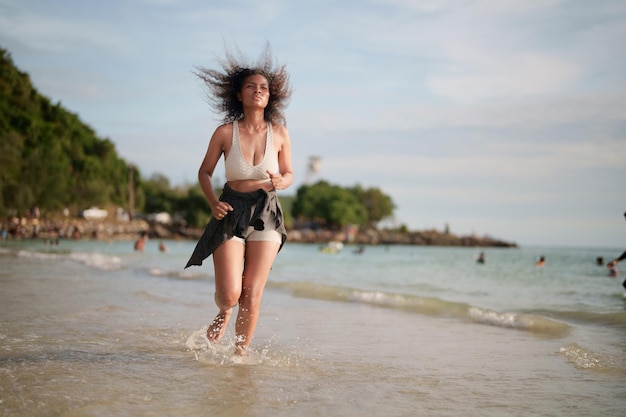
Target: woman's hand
<point>276,180</point>
<point>221,209</point>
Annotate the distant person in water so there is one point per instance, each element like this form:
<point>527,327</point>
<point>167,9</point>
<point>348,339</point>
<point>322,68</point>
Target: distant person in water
<point>541,261</point>
<point>614,262</point>
<point>162,247</point>
<point>140,243</point>
<point>481,258</point>
<point>246,230</point>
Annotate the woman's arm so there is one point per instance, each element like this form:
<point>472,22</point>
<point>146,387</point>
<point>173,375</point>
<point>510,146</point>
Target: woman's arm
<point>284,178</point>
<point>217,147</point>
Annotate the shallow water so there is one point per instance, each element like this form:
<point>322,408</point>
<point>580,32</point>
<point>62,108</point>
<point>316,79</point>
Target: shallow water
<point>94,329</point>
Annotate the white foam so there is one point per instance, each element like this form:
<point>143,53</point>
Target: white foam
<point>98,260</point>
<point>370,297</point>
<point>95,260</point>
<point>533,323</point>
<point>36,255</point>
<point>495,318</point>
<point>584,358</point>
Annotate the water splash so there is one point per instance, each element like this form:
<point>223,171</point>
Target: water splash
<point>583,358</point>
<point>217,353</point>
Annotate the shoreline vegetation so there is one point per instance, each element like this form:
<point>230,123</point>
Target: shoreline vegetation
<point>80,228</point>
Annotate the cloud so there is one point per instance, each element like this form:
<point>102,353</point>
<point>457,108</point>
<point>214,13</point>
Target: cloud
<point>48,33</point>
<point>520,75</point>
<point>71,84</point>
<point>526,114</point>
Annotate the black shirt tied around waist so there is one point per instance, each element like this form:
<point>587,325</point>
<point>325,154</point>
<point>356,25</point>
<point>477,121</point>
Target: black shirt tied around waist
<point>256,209</point>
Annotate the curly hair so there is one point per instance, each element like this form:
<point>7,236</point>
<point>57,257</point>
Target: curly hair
<point>224,85</point>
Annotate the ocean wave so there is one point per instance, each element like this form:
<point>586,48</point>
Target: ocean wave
<point>534,323</point>
<point>183,275</point>
<point>616,318</point>
<point>98,260</point>
<point>432,306</point>
<point>94,260</point>
<point>5,251</point>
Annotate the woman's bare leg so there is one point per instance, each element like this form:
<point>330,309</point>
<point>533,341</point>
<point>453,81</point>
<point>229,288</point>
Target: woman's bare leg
<point>217,328</point>
<point>228,265</point>
<point>259,258</point>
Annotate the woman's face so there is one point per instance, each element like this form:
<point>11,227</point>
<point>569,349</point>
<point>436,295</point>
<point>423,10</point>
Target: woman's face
<point>255,91</point>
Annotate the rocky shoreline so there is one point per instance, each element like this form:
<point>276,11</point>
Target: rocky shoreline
<point>129,230</point>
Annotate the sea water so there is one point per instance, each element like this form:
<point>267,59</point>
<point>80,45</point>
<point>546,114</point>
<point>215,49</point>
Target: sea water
<point>92,328</point>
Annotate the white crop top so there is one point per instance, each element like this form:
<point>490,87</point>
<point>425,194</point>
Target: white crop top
<point>237,168</point>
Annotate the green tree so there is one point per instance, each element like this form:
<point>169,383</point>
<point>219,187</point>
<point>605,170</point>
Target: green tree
<point>378,204</point>
<point>194,207</point>
<point>158,194</point>
<point>328,205</point>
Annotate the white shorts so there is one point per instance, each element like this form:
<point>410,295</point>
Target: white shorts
<point>266,235</point>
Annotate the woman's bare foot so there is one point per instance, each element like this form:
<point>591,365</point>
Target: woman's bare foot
<point>217,328</point>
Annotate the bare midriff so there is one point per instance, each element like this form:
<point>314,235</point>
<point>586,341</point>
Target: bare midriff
<point>248,186</point>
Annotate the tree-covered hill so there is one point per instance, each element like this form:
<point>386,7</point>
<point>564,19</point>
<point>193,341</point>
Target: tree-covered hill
<point>49,158</point>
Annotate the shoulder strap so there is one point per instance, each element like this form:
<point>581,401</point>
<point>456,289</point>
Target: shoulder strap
<point>235,139</point>
<point>269,138</point>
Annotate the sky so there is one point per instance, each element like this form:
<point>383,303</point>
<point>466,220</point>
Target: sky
<point>501,118</point>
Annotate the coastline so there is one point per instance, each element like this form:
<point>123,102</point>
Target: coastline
<point>80,228</point>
